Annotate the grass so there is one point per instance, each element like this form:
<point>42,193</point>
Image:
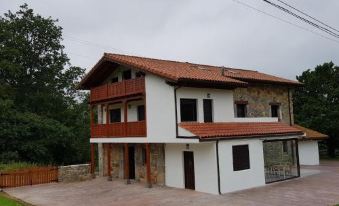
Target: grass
<point>15,166</point>
<point>6,200</point>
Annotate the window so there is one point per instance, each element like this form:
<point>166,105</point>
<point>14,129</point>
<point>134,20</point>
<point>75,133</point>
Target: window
<point>188,110</point>
<point>275,110</point>
<point>114,79</point>
<point>127,74</point>
<point>115,115</point>
<point>208,110</point>
<point>241,110</point>
<point>141,112</point>
<point>139,74</point>
<point>241,157</point>
<point>285,146</point>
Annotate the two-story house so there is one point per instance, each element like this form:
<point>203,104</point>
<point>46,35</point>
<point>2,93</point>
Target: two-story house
<point>184,125</point>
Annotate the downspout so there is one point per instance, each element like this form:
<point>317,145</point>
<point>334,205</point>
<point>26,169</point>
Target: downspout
<point>176,111</point>
<point>289,105</point>
<point>218,168</point>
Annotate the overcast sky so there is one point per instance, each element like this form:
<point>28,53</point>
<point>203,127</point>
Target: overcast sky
<point>220,32</point>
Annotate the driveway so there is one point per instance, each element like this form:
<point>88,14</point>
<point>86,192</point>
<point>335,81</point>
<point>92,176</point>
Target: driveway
<point>319,186</point>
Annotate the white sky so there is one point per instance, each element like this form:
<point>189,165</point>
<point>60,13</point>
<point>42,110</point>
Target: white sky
<point>216,32</point>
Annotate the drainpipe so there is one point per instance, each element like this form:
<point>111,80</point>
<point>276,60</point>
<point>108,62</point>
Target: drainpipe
<point>176,111</point>
<point>289,105</point>
<point>218,168</point>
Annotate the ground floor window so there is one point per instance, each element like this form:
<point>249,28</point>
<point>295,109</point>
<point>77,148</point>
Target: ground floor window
<point>281,160</point>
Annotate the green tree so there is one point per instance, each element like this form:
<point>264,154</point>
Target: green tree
<point>316,104</point>
<point>43,118</point>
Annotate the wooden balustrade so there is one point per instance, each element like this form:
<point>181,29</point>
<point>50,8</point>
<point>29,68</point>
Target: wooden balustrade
<point>119,129</point>
<point>118,89</point>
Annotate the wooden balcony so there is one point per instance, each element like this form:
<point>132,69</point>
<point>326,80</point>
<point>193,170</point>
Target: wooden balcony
<point>119,129</point>
<point>118,89</point>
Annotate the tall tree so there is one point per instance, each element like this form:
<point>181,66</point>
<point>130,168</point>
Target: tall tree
<point>41,112</point>
<point>316,104</point>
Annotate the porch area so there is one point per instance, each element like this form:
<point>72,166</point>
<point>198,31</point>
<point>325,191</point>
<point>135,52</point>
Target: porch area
<point>132,162</point>
<point>281,160</point>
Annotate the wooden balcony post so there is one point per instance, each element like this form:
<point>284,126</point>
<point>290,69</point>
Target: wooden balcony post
<point>92,114</point>
<point>148,166</point>
<point>125,116</point>
<point>109,162</point>
<point>93,160</point>
<point>126,164</point>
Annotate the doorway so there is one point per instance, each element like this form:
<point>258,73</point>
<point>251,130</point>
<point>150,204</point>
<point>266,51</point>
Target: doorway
<point>131,162</point>
<point>189,170</point>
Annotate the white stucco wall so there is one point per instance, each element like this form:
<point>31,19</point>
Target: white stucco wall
<point>238,180</point>
<point>160,110</point>
<point>222,102</point>
<point>308,152</point>
<point>205,166</point>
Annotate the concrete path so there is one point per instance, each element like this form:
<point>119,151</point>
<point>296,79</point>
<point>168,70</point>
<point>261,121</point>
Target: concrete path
<point>319,187</point>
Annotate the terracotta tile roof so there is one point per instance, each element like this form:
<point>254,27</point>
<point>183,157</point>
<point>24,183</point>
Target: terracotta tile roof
<point>232,130</point>
<point>311,134</point>
<point>174,70</point>
<point>184,71</point>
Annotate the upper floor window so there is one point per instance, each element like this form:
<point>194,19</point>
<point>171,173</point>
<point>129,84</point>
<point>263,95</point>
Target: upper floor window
<point>115,115</point>
<point>241,157</point>
<point>114,79</point>
<point>241,108</point>
<point>188,110</point>
<point>208,110</point>
<point>275,110</point>
<point>141,112</point>
<point>139,74</point>
<point>127,74</point>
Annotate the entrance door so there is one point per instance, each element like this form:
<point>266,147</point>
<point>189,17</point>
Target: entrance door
<point>131,163</point>
<point>189,170</point>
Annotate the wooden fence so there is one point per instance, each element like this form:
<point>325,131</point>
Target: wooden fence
<point>31,176</point>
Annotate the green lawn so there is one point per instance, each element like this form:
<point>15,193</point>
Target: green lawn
<point>6,200</point>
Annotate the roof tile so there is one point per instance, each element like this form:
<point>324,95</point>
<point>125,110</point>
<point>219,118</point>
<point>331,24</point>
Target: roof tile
<point>239,129</point>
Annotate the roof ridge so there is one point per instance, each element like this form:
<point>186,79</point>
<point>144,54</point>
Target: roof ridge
<point>182,62</point>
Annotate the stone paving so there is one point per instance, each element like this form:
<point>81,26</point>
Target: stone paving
<point>320,186</point>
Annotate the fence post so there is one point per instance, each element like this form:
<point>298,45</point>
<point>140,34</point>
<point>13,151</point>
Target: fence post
<point>1,183</point>
<point>31,176</point>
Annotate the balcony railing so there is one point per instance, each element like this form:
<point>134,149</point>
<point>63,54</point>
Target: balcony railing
<point>119,129</point>
<point>118,89</point>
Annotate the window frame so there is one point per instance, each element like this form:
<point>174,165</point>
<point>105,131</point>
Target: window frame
<point>125,72</point>
<point>244,110</point>
<point>241,157</point>
<point>195,110</point>
<point>206,117</point>
<point>138,113</point>
<point>277,106</point>
<point>110,115</point>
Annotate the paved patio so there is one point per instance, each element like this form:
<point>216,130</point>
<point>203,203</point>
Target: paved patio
<point>318,186</point>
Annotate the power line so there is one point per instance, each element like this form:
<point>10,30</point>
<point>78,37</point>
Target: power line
<point>285,21</point>
<point>286,4</point>
<point>303,19</point>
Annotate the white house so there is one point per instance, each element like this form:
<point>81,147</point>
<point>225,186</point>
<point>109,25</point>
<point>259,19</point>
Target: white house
<point>184,125</point>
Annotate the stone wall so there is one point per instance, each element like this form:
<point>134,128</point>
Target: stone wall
<point>259,99</point>
<point>73,173</point>
<point>157,162</point>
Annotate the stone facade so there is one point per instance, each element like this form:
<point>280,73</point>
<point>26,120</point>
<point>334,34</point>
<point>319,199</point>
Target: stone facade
<point>157,162</point>
<point>73,173</point>
<point>274,153</point>
<point>260,97</point>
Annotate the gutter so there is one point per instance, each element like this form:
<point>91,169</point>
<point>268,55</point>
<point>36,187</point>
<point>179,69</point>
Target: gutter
<point>218,168</point>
